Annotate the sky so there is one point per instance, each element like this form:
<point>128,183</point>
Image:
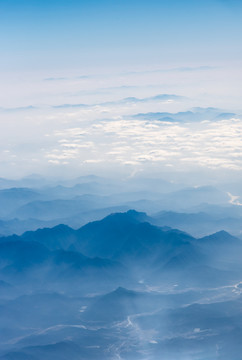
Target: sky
<point>66,68</point>
<point>63,34</point>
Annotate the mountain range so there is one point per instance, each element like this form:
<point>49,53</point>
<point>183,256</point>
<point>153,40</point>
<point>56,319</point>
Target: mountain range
<point>120,283</point>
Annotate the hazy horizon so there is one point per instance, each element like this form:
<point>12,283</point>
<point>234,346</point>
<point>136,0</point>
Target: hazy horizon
<point>79,81</point>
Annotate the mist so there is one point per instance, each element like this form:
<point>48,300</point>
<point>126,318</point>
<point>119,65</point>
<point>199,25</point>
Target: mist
<point>120,180</point>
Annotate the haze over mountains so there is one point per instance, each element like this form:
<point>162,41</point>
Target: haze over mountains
<point>100,269</point>
<point>199,210</point>
<point>120,180</point>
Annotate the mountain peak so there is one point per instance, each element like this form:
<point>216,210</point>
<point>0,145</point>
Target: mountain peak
<point>221,236</point>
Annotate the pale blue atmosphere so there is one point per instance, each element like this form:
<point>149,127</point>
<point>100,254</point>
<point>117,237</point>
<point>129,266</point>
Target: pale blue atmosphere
<point>120,180</point>
<point>62,34</point>
<point>67,66</point>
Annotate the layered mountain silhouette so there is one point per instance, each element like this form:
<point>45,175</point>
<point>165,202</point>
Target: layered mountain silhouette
<point>122,286</point>
<point>197,115</point>
<point>122,238</point>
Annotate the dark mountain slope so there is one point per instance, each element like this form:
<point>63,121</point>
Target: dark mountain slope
<point>103,238</point>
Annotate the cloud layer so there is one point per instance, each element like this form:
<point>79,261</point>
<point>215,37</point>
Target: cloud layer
<point>122,123</point>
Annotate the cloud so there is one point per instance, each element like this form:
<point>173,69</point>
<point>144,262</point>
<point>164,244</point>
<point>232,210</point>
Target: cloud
<point>176,69</point>
<point>80,77</point>
<point>55,162</point>
<point>103,75</point>
<point>139,143</point>
<point>16,109</point>
<point>154,128</point>
<point>197,68</point>
<point>127,101</point>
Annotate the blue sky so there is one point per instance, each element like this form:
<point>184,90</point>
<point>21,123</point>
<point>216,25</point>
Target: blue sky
<point>60,34</point>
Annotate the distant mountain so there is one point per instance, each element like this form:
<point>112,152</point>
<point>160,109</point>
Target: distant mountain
<point>189,197</point>
<point>122,303</point>
<point>198,224</point>
<point>182,200</point>
<point>49,210</point>
<point>224,250</point>
<point>12,198</point>
<point>114,306</point>
<point>225,116</point>
<point>82,188</point>
<point>18,227</point>
<point>220,238</point>
<point>86,217</point>
<point>31,181</point>
<point>134,100</point>
<point>197,114</point>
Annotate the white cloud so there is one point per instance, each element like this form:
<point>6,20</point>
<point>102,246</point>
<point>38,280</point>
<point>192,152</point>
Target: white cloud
<point>107,133</point>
